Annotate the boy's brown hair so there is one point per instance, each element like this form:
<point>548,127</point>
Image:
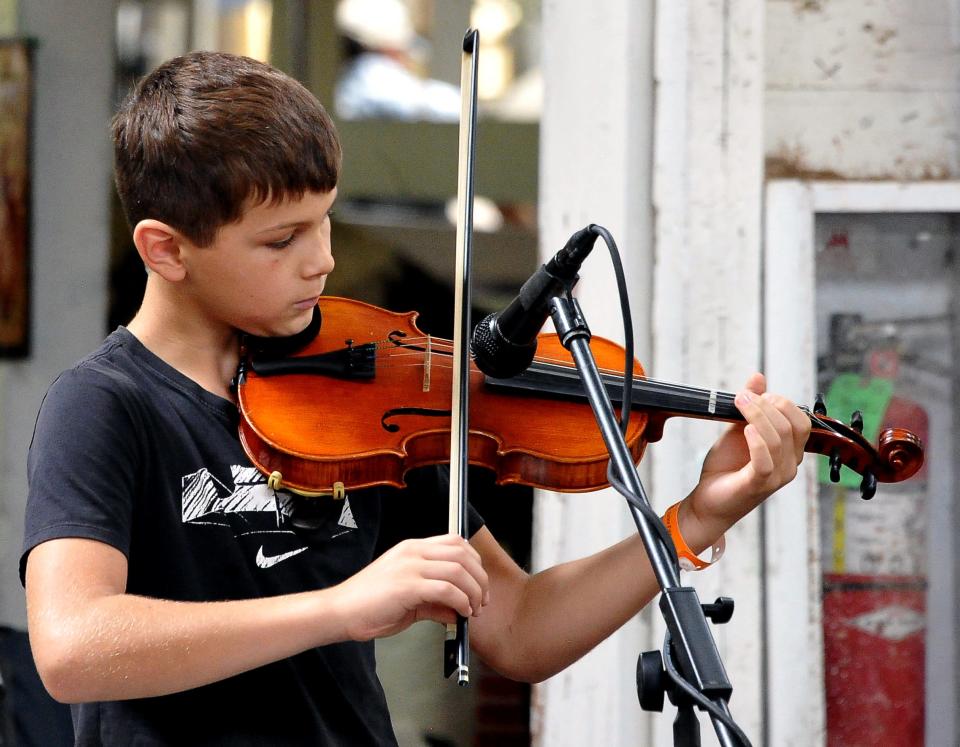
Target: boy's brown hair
<point>205,134</point>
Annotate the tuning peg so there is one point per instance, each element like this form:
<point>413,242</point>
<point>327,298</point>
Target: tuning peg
<point>856,421</point>
<point>835,466</point>
<point>868,486</point>
<point>819,406</point>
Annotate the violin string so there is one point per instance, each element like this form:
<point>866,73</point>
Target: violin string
<point>562,369</point>
<point>406,346</point>
<point>419,356</point>
<point>438,345</point>
<point>415,360</point>
<point>393,349</point>
<point>441,345</point>
<point>558,366</point>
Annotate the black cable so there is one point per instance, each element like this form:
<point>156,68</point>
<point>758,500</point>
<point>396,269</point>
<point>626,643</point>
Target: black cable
<point>649,514</point>
<point>627,323</point>
<point>627,400</point>
<point>701,700</point>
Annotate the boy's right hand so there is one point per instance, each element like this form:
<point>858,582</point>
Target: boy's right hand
<point>435,578</point>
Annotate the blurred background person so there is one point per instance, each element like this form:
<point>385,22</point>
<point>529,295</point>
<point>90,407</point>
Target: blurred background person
<point>379,78</point>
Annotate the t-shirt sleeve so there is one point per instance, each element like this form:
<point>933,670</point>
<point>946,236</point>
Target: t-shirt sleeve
<point>421,509</point>
<point>82,463</point>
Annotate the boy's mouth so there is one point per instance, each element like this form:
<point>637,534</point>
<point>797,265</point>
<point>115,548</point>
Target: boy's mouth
<point>307,303</point>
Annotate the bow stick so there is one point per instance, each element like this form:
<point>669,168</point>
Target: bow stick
<point>456,646</point>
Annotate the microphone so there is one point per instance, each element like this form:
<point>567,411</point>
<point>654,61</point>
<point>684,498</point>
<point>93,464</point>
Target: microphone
<point>504,343</point>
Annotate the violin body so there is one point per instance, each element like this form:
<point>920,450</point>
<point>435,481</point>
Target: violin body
<point>369,398</point>
<point>370,430</point>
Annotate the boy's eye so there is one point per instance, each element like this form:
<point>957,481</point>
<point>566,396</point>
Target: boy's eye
<point>283,243</point>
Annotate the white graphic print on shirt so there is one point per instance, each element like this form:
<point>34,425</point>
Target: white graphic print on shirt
<point>244,506</point>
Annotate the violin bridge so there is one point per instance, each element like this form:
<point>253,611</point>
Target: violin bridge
<point>427,357</point>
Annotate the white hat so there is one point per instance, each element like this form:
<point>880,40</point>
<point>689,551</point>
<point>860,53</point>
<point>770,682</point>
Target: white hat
<point>377,24</point>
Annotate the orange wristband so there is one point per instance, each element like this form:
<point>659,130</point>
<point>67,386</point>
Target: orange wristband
<point>688,559</point>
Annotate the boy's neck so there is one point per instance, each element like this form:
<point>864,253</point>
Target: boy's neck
<point>205,352</point>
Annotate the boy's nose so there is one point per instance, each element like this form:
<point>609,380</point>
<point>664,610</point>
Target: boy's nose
<point>320,262</point>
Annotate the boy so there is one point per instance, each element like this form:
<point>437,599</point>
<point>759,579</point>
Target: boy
<point>162,600</point>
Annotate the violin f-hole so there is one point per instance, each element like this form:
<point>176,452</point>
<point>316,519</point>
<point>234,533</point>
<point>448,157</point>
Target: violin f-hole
<point>400,411</point>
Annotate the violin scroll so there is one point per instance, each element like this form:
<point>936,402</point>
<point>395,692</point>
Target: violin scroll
<point>901,451</point>
<point>897,456</point>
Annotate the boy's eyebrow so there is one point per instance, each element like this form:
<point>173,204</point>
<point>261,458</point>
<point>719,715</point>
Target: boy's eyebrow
<point>278,226</point>
<point>292,223</point>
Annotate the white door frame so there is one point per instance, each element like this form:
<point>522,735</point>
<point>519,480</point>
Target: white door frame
<point>794,681</point>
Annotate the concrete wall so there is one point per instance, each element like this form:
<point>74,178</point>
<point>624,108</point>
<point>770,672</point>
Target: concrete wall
<point>70,238</point>
<point>745,90</point>
<point>596,144</point>
<point>708,178</point>
<point>863,89</point>
<point>653,126</point>
<point>856,90</point>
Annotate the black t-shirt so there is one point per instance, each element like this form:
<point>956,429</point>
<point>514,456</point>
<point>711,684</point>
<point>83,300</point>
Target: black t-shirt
<point>130,452</point>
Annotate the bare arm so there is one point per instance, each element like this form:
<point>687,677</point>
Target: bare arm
<point>537,625</point>
<point>92,641</point>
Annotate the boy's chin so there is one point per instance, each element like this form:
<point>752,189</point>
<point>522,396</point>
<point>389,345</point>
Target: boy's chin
<point>287,338</point>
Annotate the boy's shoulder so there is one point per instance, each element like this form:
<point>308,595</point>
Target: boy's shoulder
<point>123,376</point>
<point>116,374</point>
<point>121,394</point>
<point>111,362</point>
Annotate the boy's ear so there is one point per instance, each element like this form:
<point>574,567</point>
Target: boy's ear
<point>160,247</point>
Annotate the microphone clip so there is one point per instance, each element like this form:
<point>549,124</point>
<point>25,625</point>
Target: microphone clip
<point>568,319</point>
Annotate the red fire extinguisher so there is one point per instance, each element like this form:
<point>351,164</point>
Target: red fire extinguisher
<point>874,603</point>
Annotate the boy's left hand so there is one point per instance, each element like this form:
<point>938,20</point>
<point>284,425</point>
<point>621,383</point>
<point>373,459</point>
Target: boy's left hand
<point>749,461</point>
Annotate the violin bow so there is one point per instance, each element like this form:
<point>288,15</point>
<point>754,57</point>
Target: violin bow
<point>456,649</point>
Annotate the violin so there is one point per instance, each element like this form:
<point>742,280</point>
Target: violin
<point>368,399</point>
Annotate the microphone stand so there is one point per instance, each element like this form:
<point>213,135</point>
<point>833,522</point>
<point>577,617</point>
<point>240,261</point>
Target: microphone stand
<point>692,647</point>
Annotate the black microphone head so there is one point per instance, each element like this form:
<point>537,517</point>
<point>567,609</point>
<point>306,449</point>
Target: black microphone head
<point>495,355</point>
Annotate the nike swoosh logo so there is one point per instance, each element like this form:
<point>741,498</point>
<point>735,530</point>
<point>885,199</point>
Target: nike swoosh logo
<point>267,561</point>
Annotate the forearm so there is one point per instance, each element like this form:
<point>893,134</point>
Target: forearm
<point>561,613</point>
<point>123,646</point>
<point>93,641</point>
<point>565,611</point>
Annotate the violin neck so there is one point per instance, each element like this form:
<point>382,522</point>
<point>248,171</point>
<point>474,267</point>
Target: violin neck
<point>660,399</point>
